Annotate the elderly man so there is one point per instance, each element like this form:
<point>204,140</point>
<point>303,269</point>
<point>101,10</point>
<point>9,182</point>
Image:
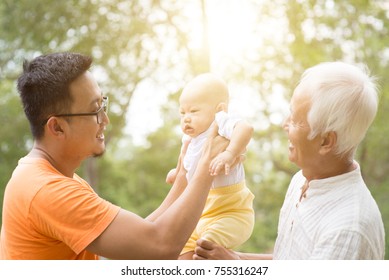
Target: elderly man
<point>328,211</point>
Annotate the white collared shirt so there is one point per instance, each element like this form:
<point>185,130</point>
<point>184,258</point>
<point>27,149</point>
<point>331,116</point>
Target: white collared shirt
<point>338,219</point>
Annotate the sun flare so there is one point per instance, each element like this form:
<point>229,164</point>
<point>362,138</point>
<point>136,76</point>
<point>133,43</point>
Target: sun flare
<point>243,29</point>
<point>230,26</point>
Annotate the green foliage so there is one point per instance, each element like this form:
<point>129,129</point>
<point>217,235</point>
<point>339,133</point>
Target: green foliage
<point>137,182</point>
<point>149,42</point>
<point>15,136</point>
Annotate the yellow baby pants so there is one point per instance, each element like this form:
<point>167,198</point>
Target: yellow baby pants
<point>227,218</point>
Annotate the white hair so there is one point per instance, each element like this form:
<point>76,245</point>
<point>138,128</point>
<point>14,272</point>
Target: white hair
<point>343,99</point>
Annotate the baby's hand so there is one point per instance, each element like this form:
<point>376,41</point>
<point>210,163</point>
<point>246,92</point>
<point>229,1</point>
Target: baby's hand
<point>222,161</point>
<point>171,176</point>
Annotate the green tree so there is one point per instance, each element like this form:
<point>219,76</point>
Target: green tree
<point>15,133</point>
<point>151,42</point>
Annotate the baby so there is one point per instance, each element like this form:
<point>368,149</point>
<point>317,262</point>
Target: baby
<point>228,215</point>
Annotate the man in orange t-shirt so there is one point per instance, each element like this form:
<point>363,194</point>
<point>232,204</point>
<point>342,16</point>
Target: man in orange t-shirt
<point>51,213</point>
<point>49,216</point>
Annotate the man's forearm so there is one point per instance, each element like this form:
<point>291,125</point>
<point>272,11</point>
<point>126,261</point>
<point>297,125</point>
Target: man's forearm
<point>178,221</point>
<point>176,190</point>
<point>254,256</point>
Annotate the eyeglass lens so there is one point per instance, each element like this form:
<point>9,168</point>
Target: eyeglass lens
<point>103,110</point>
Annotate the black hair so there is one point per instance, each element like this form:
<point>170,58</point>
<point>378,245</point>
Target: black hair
<point>44,86</point>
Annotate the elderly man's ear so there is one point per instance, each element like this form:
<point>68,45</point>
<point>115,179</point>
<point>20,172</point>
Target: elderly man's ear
<point>329,141</point>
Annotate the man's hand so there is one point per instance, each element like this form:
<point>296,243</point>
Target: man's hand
<point>206,250</point>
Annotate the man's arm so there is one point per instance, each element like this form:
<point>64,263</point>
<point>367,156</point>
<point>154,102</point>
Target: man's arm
<point>131,237</point>
<point>207,250</point>
<point>176,190</point>
<point>179,185</point>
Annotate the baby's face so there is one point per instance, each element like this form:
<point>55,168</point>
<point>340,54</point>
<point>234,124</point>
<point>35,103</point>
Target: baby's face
<point>197,113</point>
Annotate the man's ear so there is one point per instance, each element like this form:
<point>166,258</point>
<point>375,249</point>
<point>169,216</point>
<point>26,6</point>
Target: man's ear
<point>329,141</point>
<point>222,107</point>
<point>55,126</point>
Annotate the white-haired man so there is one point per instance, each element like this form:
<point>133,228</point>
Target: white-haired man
<point>328,212</point>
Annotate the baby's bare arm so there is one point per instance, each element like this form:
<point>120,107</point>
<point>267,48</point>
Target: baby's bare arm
<point>240,138</point>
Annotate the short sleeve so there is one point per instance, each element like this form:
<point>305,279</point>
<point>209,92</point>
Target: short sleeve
<point>71,212</point>
<point>226,124</point>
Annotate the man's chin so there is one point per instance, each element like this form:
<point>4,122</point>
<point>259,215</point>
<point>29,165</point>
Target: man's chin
<point>97,155</point>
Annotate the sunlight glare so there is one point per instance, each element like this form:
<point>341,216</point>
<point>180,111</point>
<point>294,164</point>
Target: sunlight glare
<point>230,26</point>
<point>243,30</point>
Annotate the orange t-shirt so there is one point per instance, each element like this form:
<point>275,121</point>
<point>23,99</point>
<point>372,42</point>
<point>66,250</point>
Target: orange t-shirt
<point>47,215</point>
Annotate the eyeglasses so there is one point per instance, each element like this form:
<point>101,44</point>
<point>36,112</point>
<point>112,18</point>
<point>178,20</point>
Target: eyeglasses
<point>100,113</point>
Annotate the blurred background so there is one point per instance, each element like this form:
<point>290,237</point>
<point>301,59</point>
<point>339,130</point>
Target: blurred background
<point>145,52</point>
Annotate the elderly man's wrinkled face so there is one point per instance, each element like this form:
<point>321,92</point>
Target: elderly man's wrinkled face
<point>302,152</point>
